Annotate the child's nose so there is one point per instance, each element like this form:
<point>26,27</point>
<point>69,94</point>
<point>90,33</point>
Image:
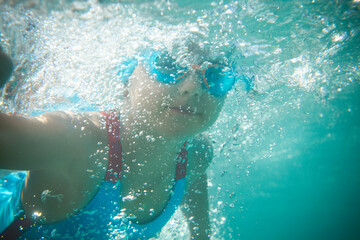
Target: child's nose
<point>190,86</point>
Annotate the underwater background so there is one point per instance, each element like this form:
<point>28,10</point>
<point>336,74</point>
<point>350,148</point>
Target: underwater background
<point>287,156</point>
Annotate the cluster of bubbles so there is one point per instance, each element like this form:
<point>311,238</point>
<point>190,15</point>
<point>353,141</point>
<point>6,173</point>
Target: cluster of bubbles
<point>303,56</point>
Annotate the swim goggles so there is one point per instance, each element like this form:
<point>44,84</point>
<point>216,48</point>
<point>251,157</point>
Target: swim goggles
<point>217,78</point>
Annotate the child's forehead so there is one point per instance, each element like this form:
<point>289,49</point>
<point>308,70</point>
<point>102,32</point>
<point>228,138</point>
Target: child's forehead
<point>189,51</point>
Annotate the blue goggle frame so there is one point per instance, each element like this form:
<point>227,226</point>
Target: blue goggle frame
<point>218,79</point>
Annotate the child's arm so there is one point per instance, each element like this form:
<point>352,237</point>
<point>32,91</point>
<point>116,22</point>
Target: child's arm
<point>196,205</point>
<point>197,211</point>
<point>48,141</point>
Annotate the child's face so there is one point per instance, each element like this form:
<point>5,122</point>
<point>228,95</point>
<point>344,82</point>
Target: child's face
<point>182,109</point>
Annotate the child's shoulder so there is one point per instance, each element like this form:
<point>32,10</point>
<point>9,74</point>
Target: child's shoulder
<point>201,146</point>
<point>200,154</point>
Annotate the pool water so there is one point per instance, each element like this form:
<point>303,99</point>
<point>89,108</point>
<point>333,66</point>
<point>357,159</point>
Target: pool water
<point>287,153</point>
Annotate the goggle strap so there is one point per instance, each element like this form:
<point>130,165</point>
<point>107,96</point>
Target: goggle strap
<point>180,76</point>
<point>204,78</point>
<point>206,82</point>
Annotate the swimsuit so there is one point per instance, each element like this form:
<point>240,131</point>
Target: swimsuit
<point>101,218</point>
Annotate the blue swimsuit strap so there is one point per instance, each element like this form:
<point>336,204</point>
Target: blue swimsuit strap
<point>150,229</point>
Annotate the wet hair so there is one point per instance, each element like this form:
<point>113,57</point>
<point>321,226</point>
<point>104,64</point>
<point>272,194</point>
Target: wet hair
<point>195,48</point>
<point>191,49</point>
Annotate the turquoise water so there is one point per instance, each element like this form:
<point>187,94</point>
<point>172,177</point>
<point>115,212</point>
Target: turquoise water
<point>286,155</point>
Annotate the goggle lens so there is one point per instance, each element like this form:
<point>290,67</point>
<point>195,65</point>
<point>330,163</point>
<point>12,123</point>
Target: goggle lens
<point>166,69</point>
<point>217,79</point>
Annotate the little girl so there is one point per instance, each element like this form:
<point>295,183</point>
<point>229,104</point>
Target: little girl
<point>122,173</point>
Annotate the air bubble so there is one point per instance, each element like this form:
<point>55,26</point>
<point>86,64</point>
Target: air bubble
<point>151,211</point>
<point>150,138</point>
